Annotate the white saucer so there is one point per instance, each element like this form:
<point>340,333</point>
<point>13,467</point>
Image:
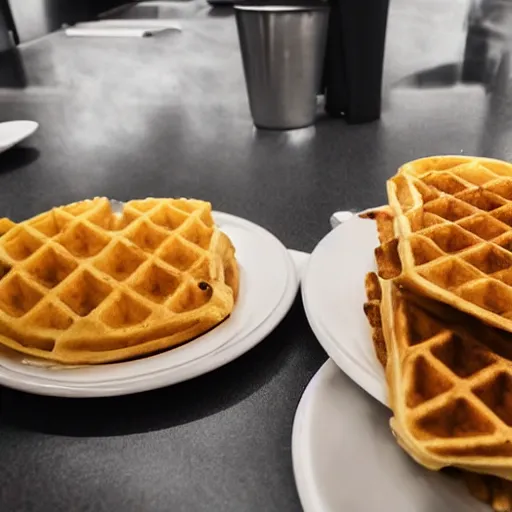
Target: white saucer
<point>268,286</point>
<point>345,457</point>
<point>12,132</point>
<point>333,294</point>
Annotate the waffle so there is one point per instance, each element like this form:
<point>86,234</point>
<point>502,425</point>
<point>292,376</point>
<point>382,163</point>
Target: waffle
<point>445,386</point>
<point>486,488</point>
<point>5,225</point>
<point>82,284</point>
<point>453,221</point>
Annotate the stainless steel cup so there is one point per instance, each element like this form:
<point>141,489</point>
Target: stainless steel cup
<point>283,54</point>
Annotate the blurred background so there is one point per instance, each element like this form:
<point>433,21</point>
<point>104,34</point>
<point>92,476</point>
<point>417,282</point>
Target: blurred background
<point>30,19</point>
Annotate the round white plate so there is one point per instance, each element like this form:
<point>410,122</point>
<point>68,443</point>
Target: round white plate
<point>346,459</point>
<point>268,285</point>
<point>333,294</point>
<point>12,132</point>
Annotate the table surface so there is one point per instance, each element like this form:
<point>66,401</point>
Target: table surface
<point>169,116</point>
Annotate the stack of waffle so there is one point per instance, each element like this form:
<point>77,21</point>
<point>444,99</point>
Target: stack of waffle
<point>441,312</point>
<point>83,284</point>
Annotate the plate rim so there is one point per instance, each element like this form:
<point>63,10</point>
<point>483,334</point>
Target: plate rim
<point>312,496</point>
<point>30,128</point>
<point>310,502</point>
<point>341,357</point>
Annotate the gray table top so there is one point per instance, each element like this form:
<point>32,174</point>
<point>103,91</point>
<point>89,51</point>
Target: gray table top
<point>169,116</point>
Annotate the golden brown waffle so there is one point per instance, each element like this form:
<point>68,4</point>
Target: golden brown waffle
<point>453,222</point>
<point>448,390</point>
<point>486,488</point>
<point>81,284</point>
<point>372,312</point>
<point>6,225</point>
<point>407,331</point>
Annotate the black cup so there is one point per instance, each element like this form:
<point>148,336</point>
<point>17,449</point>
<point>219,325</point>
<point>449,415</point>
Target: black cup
<point>352,78</point>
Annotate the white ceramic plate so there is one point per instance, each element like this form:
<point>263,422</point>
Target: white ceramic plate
<point>13,132</point>
<point>268,285</point>
<point>333,294</point>
<point>345,457</point>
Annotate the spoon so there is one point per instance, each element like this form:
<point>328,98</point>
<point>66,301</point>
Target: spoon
<point>13,132</point>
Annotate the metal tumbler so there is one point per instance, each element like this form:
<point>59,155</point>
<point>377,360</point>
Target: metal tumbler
<point>283,50</point>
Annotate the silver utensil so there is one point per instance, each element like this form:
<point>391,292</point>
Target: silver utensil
<point>338,218</point>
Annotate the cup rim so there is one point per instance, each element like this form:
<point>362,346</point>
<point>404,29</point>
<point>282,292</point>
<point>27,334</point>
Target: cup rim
<point>279,8</point>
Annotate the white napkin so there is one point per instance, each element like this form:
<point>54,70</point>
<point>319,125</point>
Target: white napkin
<point>121,28</point>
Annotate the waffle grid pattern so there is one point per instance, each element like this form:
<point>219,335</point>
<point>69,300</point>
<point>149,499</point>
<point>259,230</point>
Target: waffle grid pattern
<point>493,490</point>
<point>458,393</point>
<point>457,390</point>
<point>83,269</point>
<point>455,227</point>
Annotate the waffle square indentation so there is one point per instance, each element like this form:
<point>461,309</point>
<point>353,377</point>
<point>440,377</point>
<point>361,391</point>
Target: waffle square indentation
<point>83,241</point>
<point>120,261</point>
<point>84,293</point>
<point>125,312</point>
<point>17,296</point>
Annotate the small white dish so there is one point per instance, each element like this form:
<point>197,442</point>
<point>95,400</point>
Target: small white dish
<point>13,132</point>
<point>268,286</point>
<point>333,294</point>
<point>346,459</point>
